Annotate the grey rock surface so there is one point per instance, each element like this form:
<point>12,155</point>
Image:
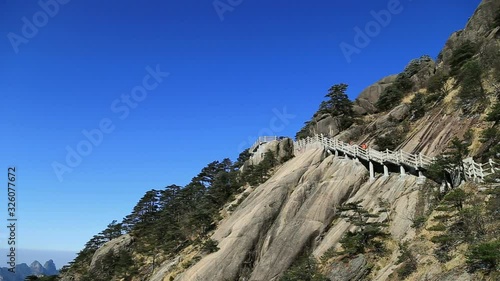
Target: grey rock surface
<point>114,245</point>
<point>351,270</point>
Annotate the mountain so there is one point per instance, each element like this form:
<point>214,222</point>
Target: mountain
<point>37,268</point>
<point>406,186</point>
<point>23,270</point>
<point>50,268</point>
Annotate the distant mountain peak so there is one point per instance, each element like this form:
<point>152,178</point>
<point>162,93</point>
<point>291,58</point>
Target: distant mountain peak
<point>37,268</point>
<point>50,268</point>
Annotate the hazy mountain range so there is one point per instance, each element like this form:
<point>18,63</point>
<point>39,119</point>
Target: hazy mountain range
<point>23,270</point>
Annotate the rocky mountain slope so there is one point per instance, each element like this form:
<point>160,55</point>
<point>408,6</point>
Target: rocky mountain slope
<point>294,211</point>
<point>269,227</point>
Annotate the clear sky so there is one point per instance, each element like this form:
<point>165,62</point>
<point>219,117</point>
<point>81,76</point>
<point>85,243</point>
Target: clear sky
<point>70,68</point>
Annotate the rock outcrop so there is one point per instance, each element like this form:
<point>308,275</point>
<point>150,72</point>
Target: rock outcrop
<point>352,270</point>
<point>115,245</point>
<point>478,29</point>
<point>282,149</point>
<point>365,103</point>
<point>294,210</point>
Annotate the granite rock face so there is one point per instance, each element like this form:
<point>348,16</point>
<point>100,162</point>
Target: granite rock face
<point>115,245</point>
<point>352,270</point>
<point>478,29</point>
<point>365,103</point>
<point>294,210</point>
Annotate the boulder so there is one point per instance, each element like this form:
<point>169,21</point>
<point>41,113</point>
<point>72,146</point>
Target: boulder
<point>353,270</point>
<point>427,69</point>
<point>365,103</point>
<point>282,149</point>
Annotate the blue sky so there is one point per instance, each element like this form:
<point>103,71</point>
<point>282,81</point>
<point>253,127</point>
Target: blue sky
<point>263,66</point>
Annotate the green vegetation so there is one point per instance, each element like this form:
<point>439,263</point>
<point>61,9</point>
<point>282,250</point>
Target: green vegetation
<point>407,260</point>
<point>393,94</point>
<point>464,220</point>
<point>494,115</point>
<point>260,173</point>
<point>472,95</point>
<point>337,106</point>
<point>461,55</point>
<point>417,106</point>
<point>392,139</point>
<point>390,97</point>
<point>304,269</point>
<point>468,72</point>
<point>484,256</point>
<point>436,87</point>
<point>450,160</point>
<point>166,221</point>
<point>496,21</point>
<point>490,138</point>
<point>210,246</point>
<point>119,265</point>
<point>368,234</point>
<point>304,131</point>
<point>44,278</point>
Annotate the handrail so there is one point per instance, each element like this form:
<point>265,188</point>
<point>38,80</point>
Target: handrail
<point>476,171</point>
<point>261,140</point>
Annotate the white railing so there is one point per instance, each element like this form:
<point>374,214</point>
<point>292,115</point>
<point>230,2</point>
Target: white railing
<point>473,170</point>
<point>262,140</point>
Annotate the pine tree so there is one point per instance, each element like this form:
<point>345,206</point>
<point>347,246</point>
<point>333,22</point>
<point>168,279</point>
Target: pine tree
<point>368,229</point>
<point>338,105</point>
<point>113,230</point>
<point>143,210</point>
<point>472,94</point>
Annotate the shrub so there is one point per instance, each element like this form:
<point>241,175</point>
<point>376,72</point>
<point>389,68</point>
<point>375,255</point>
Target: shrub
<point>408,260</point>
<point>496,21</point>
<point>257,174</point>
<point>472,95</point>
<point>393,94</point>
<point>389,98</point>
<point>390,140</point>
<point>304,131</point>
<point>417,106</point>
<point>484,256</point>
<point>461,55</point>
<point>304,269</point>
<point>436,85</point>
<point>438,227</point>
<point>404,83</point>
<point>418,222</point>
<point>365,236</point>
<point>494,115</point>
<point>456,198</point>
<point>210,246</point>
